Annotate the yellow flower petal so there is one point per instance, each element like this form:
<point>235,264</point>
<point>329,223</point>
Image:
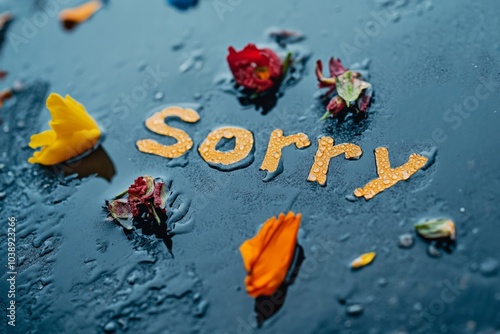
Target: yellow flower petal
<point>68,115</point>
<point>73,132</point>
<point>268,255</point>
<point>65,148</point>
<point>42,139</point>
<point>363,260</point>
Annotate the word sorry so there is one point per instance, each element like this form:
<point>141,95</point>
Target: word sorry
<point>244,141</point>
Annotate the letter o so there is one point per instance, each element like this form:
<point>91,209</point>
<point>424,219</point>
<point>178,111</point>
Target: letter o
<point>220,159</point>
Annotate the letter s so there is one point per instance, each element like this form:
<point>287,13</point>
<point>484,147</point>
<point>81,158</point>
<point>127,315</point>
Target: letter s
<point>156,124</point>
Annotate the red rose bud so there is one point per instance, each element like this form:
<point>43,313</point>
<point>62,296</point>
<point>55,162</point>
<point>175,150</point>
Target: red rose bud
<point>253,68</point>
<point>336,105</point>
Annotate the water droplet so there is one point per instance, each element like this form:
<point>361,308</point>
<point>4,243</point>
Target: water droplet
<point>354,310</point>
<point>406,240</point>
<point>201,309</point>
<point>382,282</point>
<point>110,327</point>
<point>489,267</point>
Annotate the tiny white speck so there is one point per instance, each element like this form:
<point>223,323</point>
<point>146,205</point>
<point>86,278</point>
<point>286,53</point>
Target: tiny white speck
<point>462,209</point>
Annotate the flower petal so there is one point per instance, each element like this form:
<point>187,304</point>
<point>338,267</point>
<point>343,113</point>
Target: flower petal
<point>68,115</point>
<point>255,69</point>
<point>267,256</point>
<point>65,148</point>
<point>436,228</point>
<point>42,139</point>
<point>349,87</point>
<point>119,208</point>
<point>73,16</point>
<point>323,81</point>
<point>364,101</point>
<point>160,195</point>
<point>363,260</point>
<point>336,67</point>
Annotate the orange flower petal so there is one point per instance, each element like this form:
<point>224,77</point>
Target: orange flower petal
<point>5,95</point>
<point>268,255</point>
<point>73,16</point>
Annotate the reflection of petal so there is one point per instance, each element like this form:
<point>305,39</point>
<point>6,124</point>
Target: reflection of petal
<point>267,306</point>
<point>268,255</point>
<point>96,163</point>
<point>71,17</point>
<point>183,4</point>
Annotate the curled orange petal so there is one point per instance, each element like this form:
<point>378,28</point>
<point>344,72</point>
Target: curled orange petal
<point>71,17</point>
<point>268,255</point>
<point>5,95</point>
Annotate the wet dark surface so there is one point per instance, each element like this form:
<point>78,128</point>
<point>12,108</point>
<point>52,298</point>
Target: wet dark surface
<point>78,273</point>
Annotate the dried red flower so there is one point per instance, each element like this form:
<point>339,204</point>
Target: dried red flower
<point>147,198</point>
<point>139,188</point>
<point>253,68</point>
<point>349,88</point>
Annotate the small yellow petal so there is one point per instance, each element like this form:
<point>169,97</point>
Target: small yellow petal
<point>363,260</point>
